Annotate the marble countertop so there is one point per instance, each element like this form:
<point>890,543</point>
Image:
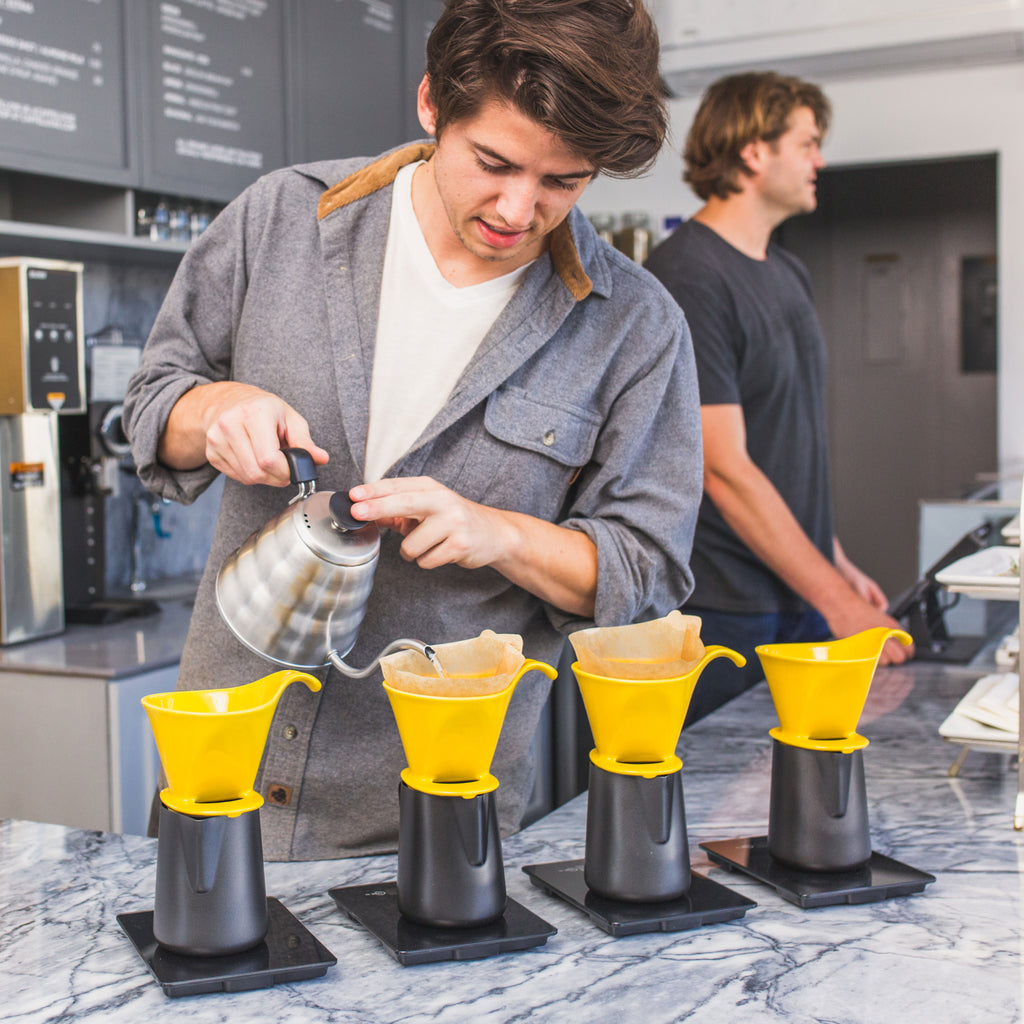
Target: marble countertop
<point>949,954</point>
<point>110,651</point>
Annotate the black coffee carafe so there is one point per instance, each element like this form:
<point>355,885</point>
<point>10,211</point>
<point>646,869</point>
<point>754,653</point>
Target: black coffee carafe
<point>211,897</point>
<point>450,868</point>
<point>818,809</point>
<point>636,844</point>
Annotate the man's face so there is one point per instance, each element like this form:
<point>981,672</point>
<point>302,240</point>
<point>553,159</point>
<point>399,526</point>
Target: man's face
<point>790,166</point>
<point>504,184</point>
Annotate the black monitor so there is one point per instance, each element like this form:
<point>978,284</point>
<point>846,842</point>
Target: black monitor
<point>921,608</point>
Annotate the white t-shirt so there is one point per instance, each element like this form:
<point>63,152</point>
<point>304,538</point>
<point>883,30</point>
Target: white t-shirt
<point>427,332</point>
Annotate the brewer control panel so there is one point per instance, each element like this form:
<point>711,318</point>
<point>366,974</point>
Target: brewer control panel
<point>42,355</point>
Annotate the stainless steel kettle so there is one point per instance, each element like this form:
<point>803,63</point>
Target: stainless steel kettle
<point>295,591</point>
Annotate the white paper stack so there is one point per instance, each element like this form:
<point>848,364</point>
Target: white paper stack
<point>989,711</point>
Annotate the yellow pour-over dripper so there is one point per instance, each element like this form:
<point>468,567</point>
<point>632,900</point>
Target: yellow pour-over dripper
<point>449,742</point>
<point>636,722</point>
<point>210,742</point>
<point>819,689</point>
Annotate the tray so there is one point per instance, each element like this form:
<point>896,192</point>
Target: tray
<point>996,568</point>
<point>290,952</point>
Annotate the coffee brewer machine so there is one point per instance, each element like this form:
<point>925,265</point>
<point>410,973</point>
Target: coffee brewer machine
<point>97,479</point>
<point>42,377</point>
<point>449,901</point>
<point>635,875</point>
<point>818,848</point>
<point>212,927</point>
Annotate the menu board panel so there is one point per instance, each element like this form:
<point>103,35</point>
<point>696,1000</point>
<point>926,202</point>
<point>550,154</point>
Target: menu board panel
<point>348,88</point>
<point>420,17</point>
<point>62,88</point>
<point>213,87</point>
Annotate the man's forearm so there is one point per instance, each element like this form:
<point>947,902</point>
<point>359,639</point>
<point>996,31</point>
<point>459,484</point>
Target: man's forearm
<point>183,442</point>
<point>554,563</point>
<point>760,517</point>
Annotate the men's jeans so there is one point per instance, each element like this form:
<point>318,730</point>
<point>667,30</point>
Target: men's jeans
<point>721,681</point>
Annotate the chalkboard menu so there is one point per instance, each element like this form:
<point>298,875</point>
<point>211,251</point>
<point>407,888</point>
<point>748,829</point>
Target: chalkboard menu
<point>213,90</point>
<point>63,93</point>
<point>348,93</point>
<point>198,98</point>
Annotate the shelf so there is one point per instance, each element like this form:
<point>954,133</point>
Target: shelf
<point>974,736</point>
<point>43,240</point>
<point>987,593</point>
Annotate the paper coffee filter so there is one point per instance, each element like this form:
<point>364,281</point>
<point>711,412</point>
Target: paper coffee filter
<point>472,668</point>
<point>664,648</point>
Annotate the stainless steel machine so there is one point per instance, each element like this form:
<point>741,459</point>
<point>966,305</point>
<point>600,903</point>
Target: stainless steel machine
<point>42,373</point>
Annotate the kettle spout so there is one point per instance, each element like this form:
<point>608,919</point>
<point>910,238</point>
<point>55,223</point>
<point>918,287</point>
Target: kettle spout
<point>396,645</point>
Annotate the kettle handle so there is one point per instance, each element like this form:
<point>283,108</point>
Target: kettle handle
<point>301,466</point>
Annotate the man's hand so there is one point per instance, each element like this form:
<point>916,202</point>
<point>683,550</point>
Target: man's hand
<point>849,614</point>
<point>440,527</point>
<point>238,429</point>
<point>894,653</point>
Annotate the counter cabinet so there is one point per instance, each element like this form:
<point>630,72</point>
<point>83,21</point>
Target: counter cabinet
<point>75,745</point>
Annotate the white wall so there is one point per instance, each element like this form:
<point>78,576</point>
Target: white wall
<point>897,117</point>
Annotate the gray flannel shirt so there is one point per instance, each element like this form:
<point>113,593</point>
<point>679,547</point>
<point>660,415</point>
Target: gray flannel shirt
<point>580,407</point>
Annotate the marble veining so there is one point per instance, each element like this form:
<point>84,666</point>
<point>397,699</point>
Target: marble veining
<point>949,954</point>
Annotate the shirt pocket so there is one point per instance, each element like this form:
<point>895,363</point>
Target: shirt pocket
<point>528,453</point>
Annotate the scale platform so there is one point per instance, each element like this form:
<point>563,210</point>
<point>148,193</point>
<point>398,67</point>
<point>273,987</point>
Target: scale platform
<point>706,902</point>
<point>375,907</point>
<point>290,952</point>
<point>882,878</point>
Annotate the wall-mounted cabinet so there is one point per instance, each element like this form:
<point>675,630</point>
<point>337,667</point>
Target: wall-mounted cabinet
<point>705,39</point>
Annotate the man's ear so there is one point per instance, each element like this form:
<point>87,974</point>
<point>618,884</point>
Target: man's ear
<point>425,107</point>
<point>752,155</point>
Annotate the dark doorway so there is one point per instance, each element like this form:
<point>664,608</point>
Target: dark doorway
<point>903,262</point>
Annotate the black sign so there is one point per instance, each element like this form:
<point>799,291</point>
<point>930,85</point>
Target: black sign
<point>349,95</point>
<point>213,86</point>
<point>62,88</point>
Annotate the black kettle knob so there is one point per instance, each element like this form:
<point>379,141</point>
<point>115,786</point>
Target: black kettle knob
<point>301,466</point>
<point>341,512</point>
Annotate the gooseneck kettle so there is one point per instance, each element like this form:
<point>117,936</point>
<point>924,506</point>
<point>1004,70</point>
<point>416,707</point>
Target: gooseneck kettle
<point>295,591</point>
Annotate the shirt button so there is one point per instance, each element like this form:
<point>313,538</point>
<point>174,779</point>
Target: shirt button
<point>548,438</point>
<point>290,732</point>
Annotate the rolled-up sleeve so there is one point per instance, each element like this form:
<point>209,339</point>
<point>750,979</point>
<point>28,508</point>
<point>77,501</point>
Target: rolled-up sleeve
<point>190,344</point>
<point>638,497</point>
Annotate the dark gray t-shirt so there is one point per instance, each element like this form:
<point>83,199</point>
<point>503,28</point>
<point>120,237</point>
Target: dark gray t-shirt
<point>758,344</point>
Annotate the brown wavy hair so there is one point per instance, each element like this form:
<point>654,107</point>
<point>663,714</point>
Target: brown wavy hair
<point>738,110</point>
<point>586,70</point>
